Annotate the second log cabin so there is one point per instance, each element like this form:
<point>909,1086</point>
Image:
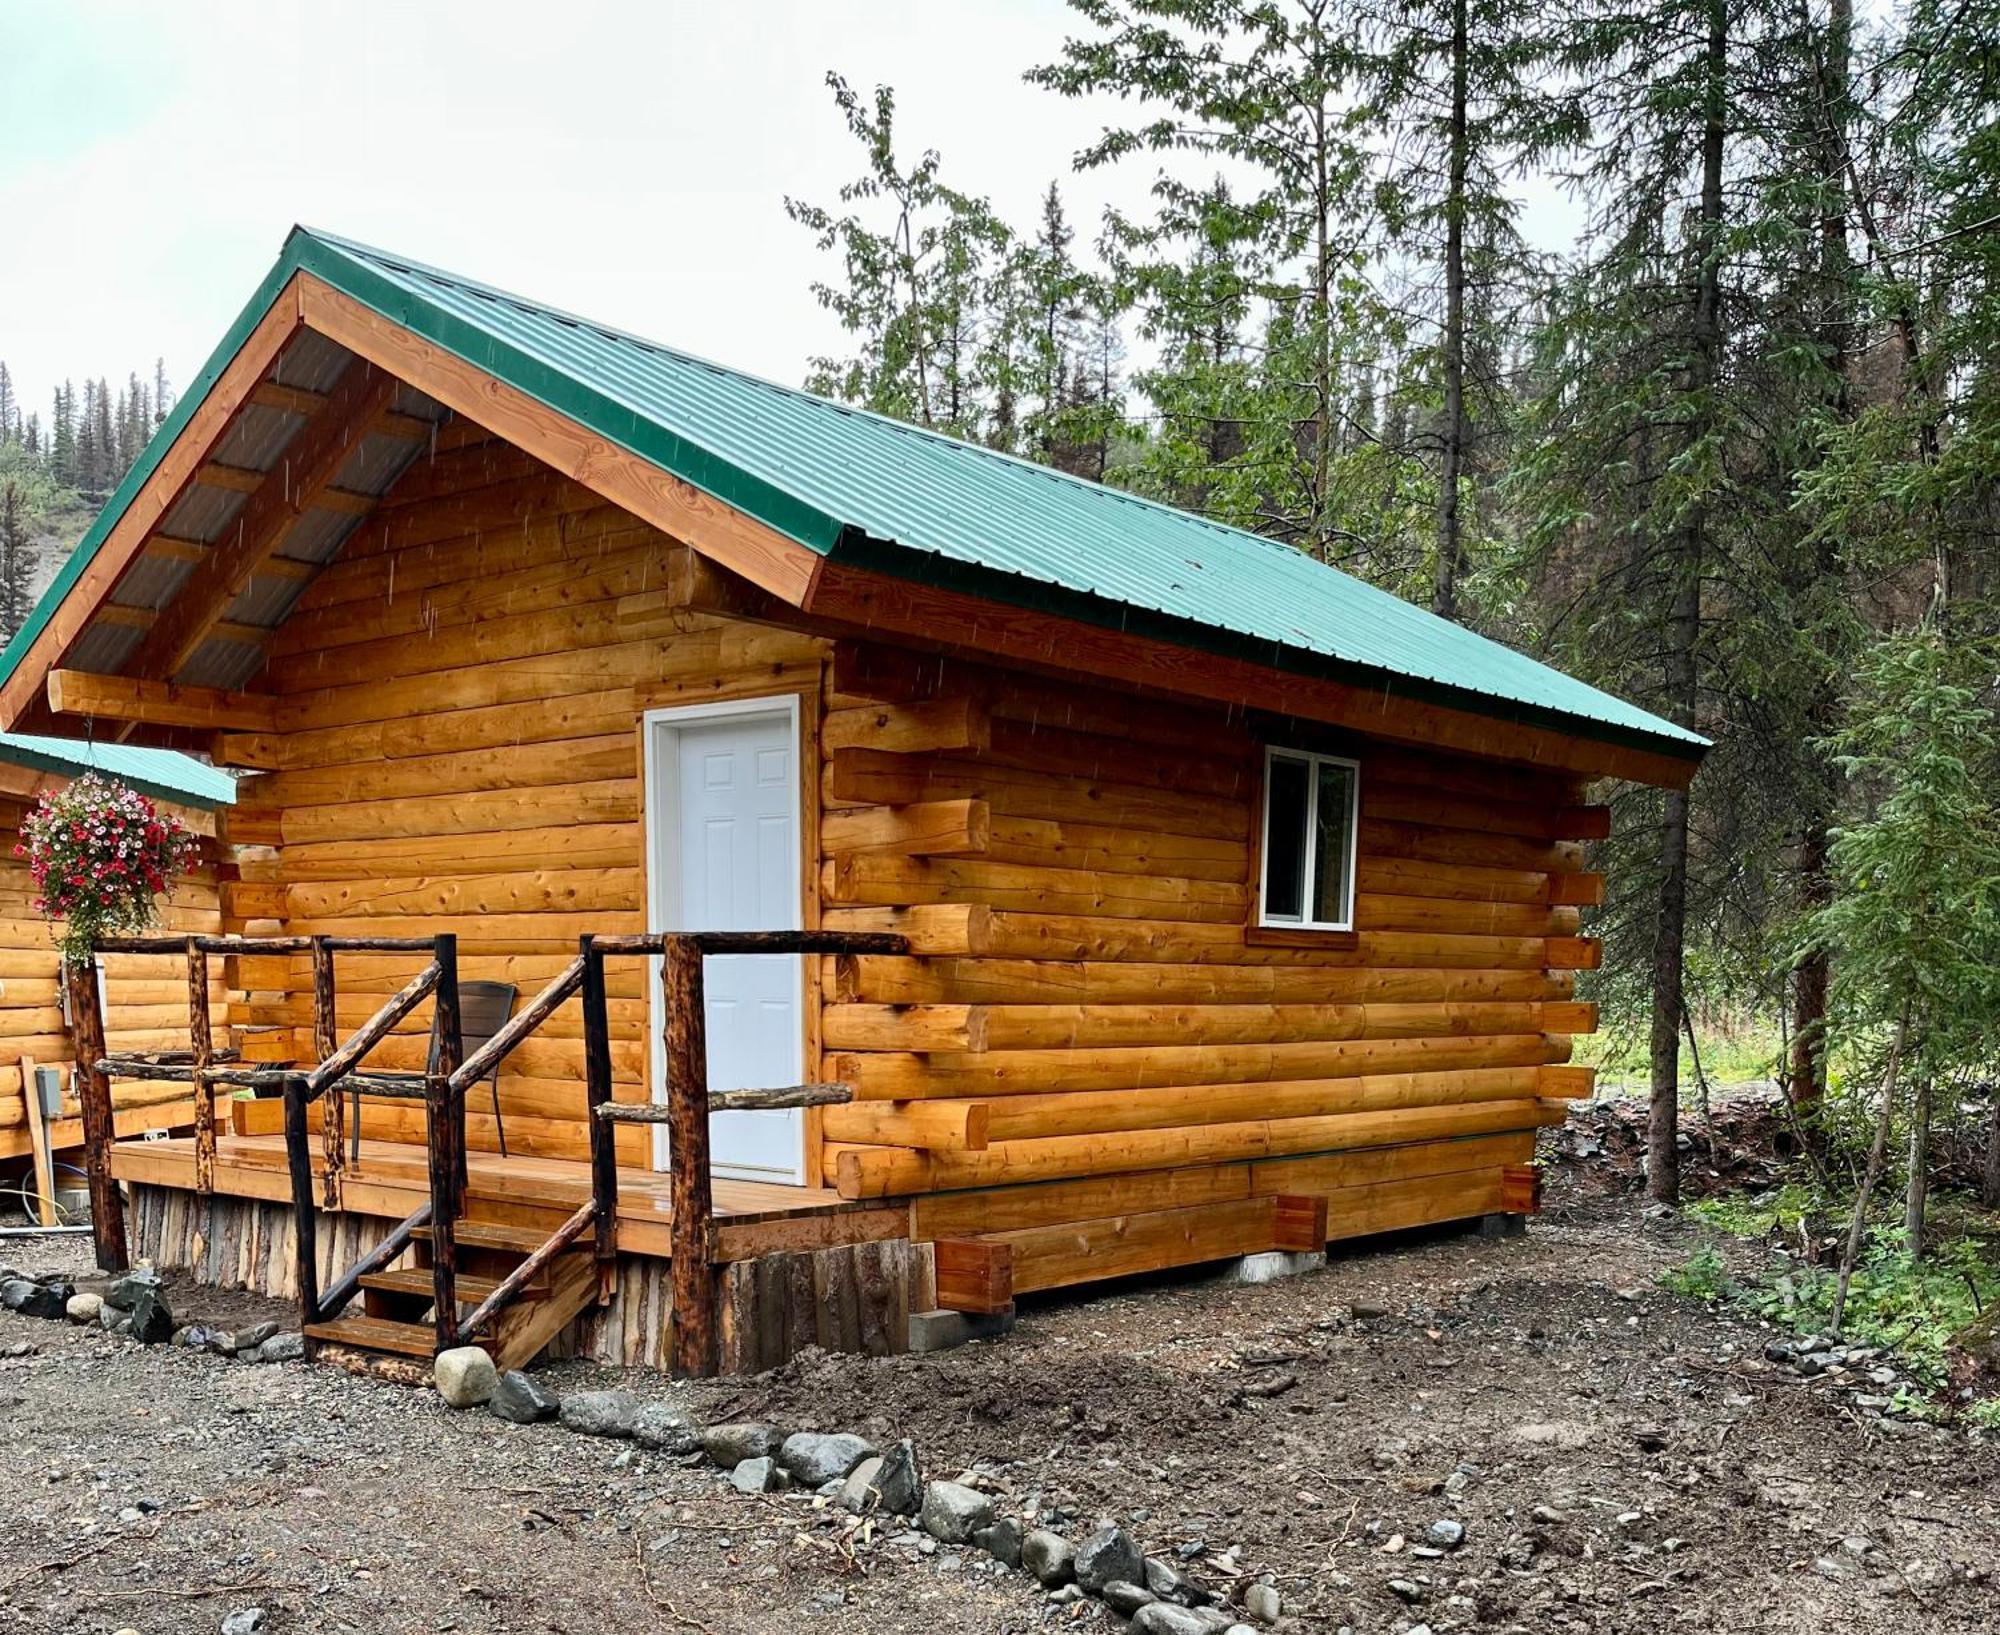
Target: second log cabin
<point>1218,901</point>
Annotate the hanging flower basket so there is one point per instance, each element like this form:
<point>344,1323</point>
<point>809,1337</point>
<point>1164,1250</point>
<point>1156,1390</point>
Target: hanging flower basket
<point>102,855</point>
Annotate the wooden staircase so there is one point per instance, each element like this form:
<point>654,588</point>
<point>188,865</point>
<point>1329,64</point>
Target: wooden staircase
<point>398,1304</point>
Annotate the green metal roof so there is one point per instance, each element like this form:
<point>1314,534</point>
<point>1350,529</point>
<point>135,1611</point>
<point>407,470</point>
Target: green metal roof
<point>879,494</point>
<point>159,772</point>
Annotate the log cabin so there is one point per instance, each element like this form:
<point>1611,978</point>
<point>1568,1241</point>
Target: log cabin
<point>910,878</point>
<point>41,1122</point>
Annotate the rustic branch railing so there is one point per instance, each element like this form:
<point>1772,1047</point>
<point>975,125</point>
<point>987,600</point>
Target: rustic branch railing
<point>685,1108</point>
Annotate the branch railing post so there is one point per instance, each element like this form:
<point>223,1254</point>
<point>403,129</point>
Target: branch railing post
<point>201,1048</point>
<point>326,1040</point>
<point>445,1139</point>
<point>93,1094</point>
<point>298,1161</point>
<point>692,1196</point>
<point>596,1095</point>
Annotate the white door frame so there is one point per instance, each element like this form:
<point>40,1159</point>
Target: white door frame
<point>660,740</point>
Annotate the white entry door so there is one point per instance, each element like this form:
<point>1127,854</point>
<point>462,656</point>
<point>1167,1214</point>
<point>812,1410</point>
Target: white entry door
<point>722,819</point>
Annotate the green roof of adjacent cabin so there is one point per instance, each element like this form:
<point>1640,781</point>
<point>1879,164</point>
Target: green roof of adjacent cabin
<point>879,494</point>
<point>159,772</point>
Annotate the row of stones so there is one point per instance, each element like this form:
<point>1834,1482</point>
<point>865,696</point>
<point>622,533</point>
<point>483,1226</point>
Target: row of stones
<point>135,1305</point>
<point>848,1470</point>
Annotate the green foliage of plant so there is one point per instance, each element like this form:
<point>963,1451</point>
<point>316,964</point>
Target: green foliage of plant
<point>1984,1415</point>
<point>1758,1215</point>
<point>1701,1277</point>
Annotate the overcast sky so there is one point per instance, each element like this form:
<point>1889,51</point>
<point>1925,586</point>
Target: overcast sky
<point>625,159</point>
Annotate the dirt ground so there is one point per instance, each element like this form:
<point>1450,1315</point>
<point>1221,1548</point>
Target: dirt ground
<point>1620,1458</point>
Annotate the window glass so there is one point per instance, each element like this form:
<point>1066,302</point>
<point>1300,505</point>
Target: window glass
<point>1334,823</point>
<point>1287,794</point>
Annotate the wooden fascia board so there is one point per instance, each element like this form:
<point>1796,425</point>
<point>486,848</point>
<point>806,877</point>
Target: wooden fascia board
<point>736,541</point>
<point>179,467</point>
<point>158,703</point>
<point>865,601</point>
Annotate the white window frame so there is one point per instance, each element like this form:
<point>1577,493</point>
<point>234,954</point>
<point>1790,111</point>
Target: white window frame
<point>1314,760</point>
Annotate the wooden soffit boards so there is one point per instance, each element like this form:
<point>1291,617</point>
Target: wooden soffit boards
<point>862,600</point>
<point>745,546</point>
<point>163,486</point>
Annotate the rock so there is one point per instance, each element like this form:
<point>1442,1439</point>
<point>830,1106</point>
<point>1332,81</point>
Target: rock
<point>1407,1590</point>
<point>108,1317</point>
<point>201,1337</point>
<point>952,1513</point>
<point>1126,1599</point>
<point>1107,1554</point>
<point>1366,1311</point>
<point>1262,1602</point>
<point>811,1458</point>
<point>1169,1583</point>
<point>899,1482</point>
<point>859,1492</point>
<point>287,1346</point>
<point>665,1429</point>
<point>252,1335</point>
<point>249,1621</point>
<point>14,1291</point>
<point>83,1308</point>
<point>465,1376</point>
<point>599,1413</point>
<point>1002,1541</point>
<point>1549,1516</point>
<point>759,1476</point>
<point>1270,1265</point>
<point>727,1446</point>
<point>1049,1556</point>
<point>49,1300</point>
<point>1446,1534</point>
<point>1164,1618</point>
<point>520,1399</point>
<point>942,1330</point>
<point>123,1291</point>
<point>152,1317</point>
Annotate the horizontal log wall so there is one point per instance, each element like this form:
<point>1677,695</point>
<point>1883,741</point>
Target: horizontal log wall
<point>147,1002</point>
<point>460,694</point>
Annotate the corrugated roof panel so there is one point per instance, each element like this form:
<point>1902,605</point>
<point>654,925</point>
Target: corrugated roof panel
<point>103,648</point>
<point>152,580</point>
<point>220,662</point>
<point>311,361</point>
<point>266,599</point>
<point>161,771</point>
<point>256,437</point>
<point>202,512</point>
<point>935,497</point>
<point>317,534</point>
<point>375,463</point>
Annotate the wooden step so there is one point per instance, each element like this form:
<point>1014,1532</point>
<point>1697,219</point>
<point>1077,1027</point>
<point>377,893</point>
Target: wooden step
<point>377,1334</point>
<point>519,1240</point>
<point>416,1280</point>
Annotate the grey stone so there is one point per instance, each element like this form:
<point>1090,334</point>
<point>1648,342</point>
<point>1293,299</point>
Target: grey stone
<point>152,1317</point>
<point>123,1291</point>
<point>1169,1583</point>
<point>1107,1554</point>
<point>1049,1556</point>
<point>465,1376</point>
<point>599,1413</point>
<point>1407,1589</point>
<point>1272,1266</point>
<point>1002,1541</point>
<point>49,1300</point>
<point>83,1308</point>
<point>1126,1599</point>
<point>1445,1533</point>
<point>953,1513</point>
<point>248,1621</point>
<point>859,1492</point>
<point>252,1335</point>
<point>665,1429</point>
<point>520,1399</point>
<point>900,1480</point>
<point>288,1345</point>
<point>1066,1594</point>
<point>1262,1602</point>
<point>1502,1226</point>
<point>727,1446</point>
<point>109,1317</point>
<point>810,1458</point>
<point>942,1330</point>
<point>1165,1618</point>
<point>759,1476</point>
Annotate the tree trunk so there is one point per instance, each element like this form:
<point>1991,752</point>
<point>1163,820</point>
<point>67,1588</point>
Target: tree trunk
<point>1989,1182</point>
<point>1805,1074</point>
<point>1683,632</point>
<point>1917,1189</point>
<point>1450,541</point>
<point>1878,1153</point>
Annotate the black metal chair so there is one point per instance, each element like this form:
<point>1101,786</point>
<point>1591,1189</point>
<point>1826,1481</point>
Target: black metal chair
<point>483,1009</point>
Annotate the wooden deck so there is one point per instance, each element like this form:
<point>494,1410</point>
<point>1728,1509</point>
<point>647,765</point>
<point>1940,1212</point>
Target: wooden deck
<point>391,1179</point>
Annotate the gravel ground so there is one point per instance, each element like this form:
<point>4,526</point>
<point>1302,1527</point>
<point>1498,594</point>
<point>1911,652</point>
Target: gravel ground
<point>1620,1459</point>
